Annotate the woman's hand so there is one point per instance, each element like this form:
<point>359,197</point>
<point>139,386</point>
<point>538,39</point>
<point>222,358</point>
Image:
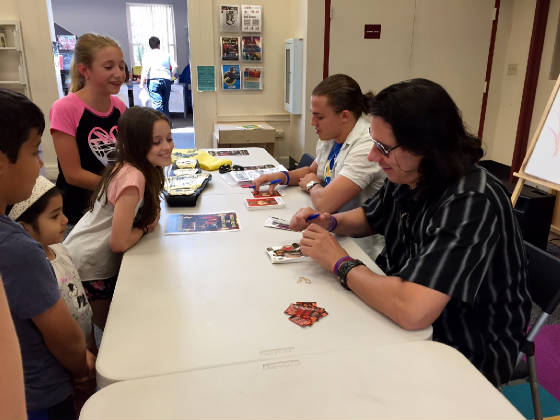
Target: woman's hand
<point>320,245</point>
<point>300,220</point>
<point>306,179</point>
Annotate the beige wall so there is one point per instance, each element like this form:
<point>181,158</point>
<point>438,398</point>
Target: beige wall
<point>504,96</point>
<point>281,20</point>
<point>34,19</point>
<point>305,19</point>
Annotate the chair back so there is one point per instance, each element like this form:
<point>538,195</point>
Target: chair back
<point>306,160</point>
<point>543,277</point>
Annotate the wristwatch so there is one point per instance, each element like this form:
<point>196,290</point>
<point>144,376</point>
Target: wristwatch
<point>310,185</point>
<point>344,269</point>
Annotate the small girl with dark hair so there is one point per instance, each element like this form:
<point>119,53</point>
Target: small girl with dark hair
<point>125,205</point>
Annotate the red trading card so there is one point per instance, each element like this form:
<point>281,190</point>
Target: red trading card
<point>262,202</point>
<point>302,322</point>
<point>308,304</point>
<point>265,194</point>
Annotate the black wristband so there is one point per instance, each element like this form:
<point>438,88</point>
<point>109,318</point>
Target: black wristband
<point>345,268</point>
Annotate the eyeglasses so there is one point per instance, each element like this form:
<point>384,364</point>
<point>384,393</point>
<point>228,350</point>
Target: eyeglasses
<point>386,150</point>
<point>228,168</point>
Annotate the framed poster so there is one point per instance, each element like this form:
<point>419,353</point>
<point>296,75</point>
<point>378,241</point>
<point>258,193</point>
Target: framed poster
<point>251,18</point>
<point>231,77</point>
<point>230,18</point>
<point>253,78</point>
<point>229,46</point>
<point>251,48</point>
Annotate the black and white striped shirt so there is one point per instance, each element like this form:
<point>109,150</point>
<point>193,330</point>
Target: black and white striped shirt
<point>467,244</point>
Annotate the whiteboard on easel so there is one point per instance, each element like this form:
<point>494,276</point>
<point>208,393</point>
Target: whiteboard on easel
<point>544,161</point>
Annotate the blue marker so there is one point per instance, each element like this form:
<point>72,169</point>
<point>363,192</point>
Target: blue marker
<point>313,216</point>
<point>275,181</point>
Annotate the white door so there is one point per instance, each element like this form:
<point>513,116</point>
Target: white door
<point>445,41</point>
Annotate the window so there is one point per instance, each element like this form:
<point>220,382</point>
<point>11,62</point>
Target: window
<point>146,20</point>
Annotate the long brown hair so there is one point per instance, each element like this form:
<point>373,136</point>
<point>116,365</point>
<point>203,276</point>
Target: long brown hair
<point>84,53</point>
<point>134,141</point>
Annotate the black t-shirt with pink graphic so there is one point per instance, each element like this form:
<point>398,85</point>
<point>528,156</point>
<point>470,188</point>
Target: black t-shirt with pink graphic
<point>95,134</point>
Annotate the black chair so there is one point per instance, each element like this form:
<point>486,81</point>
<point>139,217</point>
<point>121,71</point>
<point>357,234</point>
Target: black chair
<point>306,160</point>
<point>543,280</point>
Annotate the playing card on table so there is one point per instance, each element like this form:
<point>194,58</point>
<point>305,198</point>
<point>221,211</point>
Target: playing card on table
<point>265,193</point>
<point>277,223</point>
<point>305,314</point>
<point>264,203</point>
<point>286,254</point>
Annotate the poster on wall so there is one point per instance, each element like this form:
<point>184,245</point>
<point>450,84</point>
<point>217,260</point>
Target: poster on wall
<point>251,48</point>
<point>230,19</point>
<point>253,78</point>
<point>66,42</point>
<point>230,48</point>
<point>251,18</point>
<point>205,79</point>
<point>231,77</point>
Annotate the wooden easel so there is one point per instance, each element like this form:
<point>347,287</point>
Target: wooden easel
<point>523,176</point>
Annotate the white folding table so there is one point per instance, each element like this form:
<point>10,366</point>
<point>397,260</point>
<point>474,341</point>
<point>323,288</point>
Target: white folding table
<point>197,301</point>
<point>414,380</point>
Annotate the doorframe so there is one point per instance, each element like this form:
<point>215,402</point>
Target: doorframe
<point>327,39</point>
<point>530,85</point>
<point>489,69</point>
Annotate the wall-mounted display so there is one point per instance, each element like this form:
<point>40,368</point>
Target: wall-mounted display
<point>231,77</point>
<point>253,78</point>
<point>251,48</point>
<point>229,46</point>
<point>251,18</point>
<point>230,18</point>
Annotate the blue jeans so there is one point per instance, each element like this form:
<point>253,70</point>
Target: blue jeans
<point>160,89</point>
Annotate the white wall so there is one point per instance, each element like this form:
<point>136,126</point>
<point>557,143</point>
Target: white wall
<point>33,16</point>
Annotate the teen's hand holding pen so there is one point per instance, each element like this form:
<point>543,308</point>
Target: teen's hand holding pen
<point>304,217</point>
<point>276,178</point>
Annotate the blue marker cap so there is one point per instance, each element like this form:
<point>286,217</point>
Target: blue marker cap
<point>313,216</point>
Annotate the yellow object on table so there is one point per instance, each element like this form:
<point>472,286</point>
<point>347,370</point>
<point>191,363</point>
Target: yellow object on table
<point>208,162</point>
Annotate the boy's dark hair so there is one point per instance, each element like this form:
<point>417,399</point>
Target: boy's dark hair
<point>31,215</point>
<point>154,42</point>
<point>426,121</point>
<point>18,115</point>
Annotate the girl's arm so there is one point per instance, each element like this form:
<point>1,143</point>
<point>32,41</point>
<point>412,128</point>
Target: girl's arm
<point>64,338</point>
<point>123,235</point>
<point>69,159</point>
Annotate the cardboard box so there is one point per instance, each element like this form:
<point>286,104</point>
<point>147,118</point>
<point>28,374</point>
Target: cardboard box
<point>243,134</point>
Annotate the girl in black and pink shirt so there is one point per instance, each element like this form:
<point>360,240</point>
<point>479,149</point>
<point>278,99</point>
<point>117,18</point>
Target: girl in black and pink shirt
<point>84,123</point>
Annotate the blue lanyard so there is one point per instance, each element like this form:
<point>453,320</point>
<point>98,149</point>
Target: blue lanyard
<point>331,160</point>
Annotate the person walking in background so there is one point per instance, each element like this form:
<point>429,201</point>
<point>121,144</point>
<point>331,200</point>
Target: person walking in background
<point>158,68</point>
